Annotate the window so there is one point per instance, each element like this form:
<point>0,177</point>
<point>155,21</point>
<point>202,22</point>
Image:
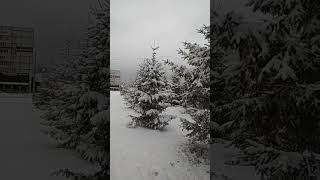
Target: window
<point>4,51</point>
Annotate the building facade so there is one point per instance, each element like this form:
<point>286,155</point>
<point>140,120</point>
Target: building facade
<point>17,60</point>
<point>115,79</point>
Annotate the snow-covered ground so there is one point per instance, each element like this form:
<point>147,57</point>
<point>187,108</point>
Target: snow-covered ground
<point>219,154</point>
<point>26,153</point>
<point>143,154</point>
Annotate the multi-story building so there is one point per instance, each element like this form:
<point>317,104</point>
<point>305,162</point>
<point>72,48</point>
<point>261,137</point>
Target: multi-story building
<point>115,80</point>
<point>16,59</point>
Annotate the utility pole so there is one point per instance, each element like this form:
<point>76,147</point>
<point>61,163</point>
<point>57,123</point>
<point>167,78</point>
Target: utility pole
<point>31,67</point>
<point>34,71</point>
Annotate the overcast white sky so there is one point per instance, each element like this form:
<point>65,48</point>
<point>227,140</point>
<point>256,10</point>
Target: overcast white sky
<point>54,22</point>
<point>136,24</point>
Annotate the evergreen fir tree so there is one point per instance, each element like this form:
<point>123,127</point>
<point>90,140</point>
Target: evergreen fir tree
<point>196,87</point>
<point>92,117</point>
<point>78,117</point>
<point>149,98</point>
<point>177,88</point>
<point>269,105</point>
<point>129,94</point>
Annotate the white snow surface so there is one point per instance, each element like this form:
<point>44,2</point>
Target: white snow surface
<point>219,154</point>
<point>144,154</point>
<point>26,153</point>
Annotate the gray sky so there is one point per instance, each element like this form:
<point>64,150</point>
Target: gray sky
<point>54,21</point>
<point>136,24</point>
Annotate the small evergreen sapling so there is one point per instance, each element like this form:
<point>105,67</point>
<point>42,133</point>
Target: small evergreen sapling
<point>150,94</point>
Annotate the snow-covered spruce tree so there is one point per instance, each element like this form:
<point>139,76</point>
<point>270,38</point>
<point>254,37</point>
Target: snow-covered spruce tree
<point>177,88</point>
<point>92,109</point>
<point>45,93</point>
<point>218,95</point>
<point>270,109</point>
<point>122,88</point>
<point>80,109</point>
<point>67,124</point>
<point>60,92</point>
<point>196,87</point>
<point>150,94</point>
<point>55,80</point>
